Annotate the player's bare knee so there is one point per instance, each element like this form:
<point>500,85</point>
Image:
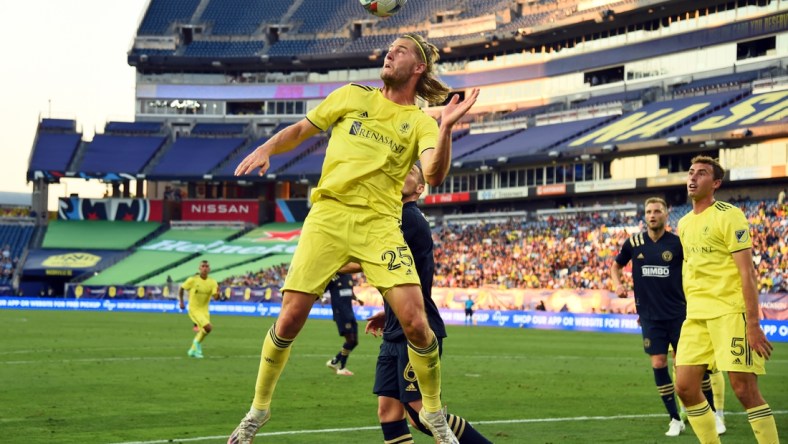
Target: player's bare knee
<point>420,337</point>
<point>390,409</point>
<point>417,330</point>
<point>685,391</point>
<point>207,328</point>
<point>659,361</point>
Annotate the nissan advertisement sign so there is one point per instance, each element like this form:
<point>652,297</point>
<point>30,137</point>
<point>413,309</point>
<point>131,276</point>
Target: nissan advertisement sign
<point>221,210</point>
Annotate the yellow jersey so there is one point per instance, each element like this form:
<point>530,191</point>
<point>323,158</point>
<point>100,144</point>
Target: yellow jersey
<point>710,277</point>
<point>373,145</point>
<point>200,292</point>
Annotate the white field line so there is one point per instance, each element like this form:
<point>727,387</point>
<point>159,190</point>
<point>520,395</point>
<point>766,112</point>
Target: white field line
<point>502,421</point>
<point>49,359</point>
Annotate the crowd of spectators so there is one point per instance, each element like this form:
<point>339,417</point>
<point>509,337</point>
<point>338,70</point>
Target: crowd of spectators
<point>13,211</point>
<point>770,246</point>
<point>561,253</point>
<point>267,277</point>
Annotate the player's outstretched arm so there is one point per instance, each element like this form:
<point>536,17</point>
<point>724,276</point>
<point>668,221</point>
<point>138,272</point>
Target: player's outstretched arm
<point>755,336</point>
<point>281,142</point>
<point>436,162</point>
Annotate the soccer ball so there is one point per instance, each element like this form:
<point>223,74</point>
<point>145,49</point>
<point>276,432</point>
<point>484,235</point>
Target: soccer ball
<point>383,8</point>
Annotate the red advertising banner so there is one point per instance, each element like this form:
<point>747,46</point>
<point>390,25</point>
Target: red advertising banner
<point>447,198</point>
<point>221,210</point>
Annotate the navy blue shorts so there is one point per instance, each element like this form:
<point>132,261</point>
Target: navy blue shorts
<point>394,376</point>
<point>658,335</point>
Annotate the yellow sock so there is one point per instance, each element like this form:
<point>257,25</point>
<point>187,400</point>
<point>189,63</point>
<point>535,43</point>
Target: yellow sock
<point>718,387</point>
<point>273,358</point>
<point>427,366</point>
<point>763,425</point>
<point>702,420</point>
<point>199,336</point>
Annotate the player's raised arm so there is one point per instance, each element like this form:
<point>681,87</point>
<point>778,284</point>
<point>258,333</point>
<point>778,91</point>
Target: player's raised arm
<point>281,142</point>
<point>436,162</point>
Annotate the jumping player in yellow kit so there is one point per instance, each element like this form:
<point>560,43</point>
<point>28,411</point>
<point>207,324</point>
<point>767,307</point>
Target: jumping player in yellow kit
<point>378,134</point>
<point>201,290</point>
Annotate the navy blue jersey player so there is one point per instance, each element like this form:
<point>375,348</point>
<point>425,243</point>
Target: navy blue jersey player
<point>341,290</point>
<point>657,258</point>
<point>395,383</point>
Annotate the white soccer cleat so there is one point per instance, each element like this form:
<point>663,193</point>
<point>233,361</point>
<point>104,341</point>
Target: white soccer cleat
<point>675,427</point>
<point>247,429</point>
<point>332,365</point>
<point>719,422</point>
<point>436,423</point>
<point>344,372</point>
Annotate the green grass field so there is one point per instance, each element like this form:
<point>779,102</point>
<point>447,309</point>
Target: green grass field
<point>85,377</point>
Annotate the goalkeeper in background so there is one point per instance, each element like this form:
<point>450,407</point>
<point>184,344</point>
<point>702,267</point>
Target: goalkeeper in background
<point>201,289</point>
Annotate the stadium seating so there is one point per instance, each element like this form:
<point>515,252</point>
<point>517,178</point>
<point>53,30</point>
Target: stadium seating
<point>14,239</point>
<point>533,141</point>
<point>242,17</point>
<point>65,125</point>
<point>53,151</point>
<point>133,127</point>
<point>470,143</point>
<point>285,159</point>
<point>162,13</point>
<point>735,80</point>
<point>309,166</point>
<point>194,156</point>
<point>119,154</point>
<point>325,15</point>
<point>287,48</point>
<point>221,129</point>
<point>230,164</point>
<point>481,7</point>
<point>713,103</point>
<point>16,236</point>
<point>213,49</point>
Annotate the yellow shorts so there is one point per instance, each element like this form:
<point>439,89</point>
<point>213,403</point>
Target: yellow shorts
<point>721,341</point>
<point>201,318</point>
<point>335,234</point>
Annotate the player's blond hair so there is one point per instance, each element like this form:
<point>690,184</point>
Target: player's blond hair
<point>429,87</point>
<point>658,200</point>
<point>719,171</point>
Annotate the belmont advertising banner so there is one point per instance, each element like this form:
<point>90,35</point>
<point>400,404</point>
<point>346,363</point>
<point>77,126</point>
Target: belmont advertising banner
<point>128,210</point>
<point>246,210</point>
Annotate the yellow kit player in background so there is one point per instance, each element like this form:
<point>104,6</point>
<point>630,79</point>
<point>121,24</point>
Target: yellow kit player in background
<point>722,322</point>
<point>201,289</point>
<point>378,134</point>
